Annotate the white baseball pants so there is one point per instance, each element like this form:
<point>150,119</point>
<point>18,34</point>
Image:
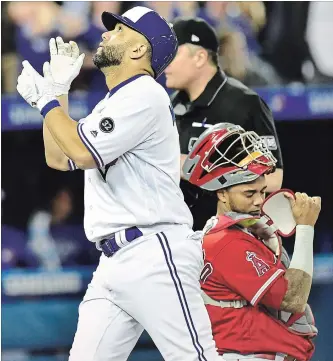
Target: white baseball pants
<point>151,284</point>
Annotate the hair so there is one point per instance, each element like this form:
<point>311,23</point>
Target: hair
<point>149,56</point>
<point>149,52</point>
<point>212,55</point>
<point>140,38</point>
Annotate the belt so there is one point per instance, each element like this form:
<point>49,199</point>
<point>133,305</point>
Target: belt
<point>118,240</point>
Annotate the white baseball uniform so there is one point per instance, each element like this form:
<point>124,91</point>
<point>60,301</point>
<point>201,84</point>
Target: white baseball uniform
<point>151,282</point>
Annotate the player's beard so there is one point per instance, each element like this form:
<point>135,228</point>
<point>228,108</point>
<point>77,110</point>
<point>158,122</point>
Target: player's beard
<point>111,55</point>
<point>235,208</point>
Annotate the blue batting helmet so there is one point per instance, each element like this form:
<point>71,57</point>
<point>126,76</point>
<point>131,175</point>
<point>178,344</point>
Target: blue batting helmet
<point>154,28</point>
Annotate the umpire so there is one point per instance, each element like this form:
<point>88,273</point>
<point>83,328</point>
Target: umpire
<point>206,96</point>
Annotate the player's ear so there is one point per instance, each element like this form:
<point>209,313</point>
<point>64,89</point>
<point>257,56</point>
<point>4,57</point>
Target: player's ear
<point>222,195</point>
<point>138,50</point>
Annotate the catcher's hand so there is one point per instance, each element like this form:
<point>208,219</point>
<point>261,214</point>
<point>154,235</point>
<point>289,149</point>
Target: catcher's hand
<point>65,64</point>
<point>305,209</point>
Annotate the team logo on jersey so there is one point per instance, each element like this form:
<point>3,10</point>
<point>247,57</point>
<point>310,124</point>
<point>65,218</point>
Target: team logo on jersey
<point>106,125</point>
<point>94,133</point>
<point>260,266</point>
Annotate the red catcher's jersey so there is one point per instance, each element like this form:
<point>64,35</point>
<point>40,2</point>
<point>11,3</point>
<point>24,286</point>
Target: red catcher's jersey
<point>238,266</point>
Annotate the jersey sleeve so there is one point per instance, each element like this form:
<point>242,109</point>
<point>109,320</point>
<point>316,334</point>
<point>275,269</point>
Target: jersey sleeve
<point>117,129</point>
<point>262,122</point>
<point>275,294</point>
<point>246,271</point>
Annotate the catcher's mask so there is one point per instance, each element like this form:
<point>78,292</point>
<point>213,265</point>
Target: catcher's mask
<point>226,155</point>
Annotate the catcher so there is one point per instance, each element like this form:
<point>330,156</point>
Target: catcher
<point>255,296</point>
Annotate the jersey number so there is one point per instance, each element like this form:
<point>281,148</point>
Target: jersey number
<point>206,272</point>
<point>105,169</point>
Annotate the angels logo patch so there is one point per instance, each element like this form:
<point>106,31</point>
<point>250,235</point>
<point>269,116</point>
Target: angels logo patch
<point>260,265</point>
<point>106,125</point>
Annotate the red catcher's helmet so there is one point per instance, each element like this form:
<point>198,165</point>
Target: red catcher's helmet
<point>226,155</point>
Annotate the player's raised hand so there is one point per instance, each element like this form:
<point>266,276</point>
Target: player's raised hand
<point>305,209</point>
<point>66,63</point>
<point>37,91</point>
<point>26,87</point>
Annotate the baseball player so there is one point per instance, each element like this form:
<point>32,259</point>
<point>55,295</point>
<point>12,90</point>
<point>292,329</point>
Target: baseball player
<point>255,296</point>
<point>148,275</point>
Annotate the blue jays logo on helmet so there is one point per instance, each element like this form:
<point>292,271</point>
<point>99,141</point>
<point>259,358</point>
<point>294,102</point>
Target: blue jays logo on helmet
<point>154,28</point>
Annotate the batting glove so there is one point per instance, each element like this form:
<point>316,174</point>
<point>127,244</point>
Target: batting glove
<point>65,64</point>
<point>37,91</point>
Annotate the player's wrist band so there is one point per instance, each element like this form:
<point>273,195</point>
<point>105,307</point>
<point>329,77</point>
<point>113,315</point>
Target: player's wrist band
<point>303,250</point>
<point>49,106</point>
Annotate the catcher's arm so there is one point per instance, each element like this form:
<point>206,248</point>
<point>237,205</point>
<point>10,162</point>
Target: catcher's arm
<point>299,274</point>
<point>299,286</point>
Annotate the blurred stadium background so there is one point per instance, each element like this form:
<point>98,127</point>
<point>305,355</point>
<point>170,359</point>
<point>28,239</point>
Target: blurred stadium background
<point>284,50</point>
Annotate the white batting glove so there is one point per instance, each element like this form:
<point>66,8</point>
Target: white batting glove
<point>37,91</point>
<point>65,64</point>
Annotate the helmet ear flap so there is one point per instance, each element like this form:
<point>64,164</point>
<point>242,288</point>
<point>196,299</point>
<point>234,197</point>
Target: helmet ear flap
<point>191,168</point>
